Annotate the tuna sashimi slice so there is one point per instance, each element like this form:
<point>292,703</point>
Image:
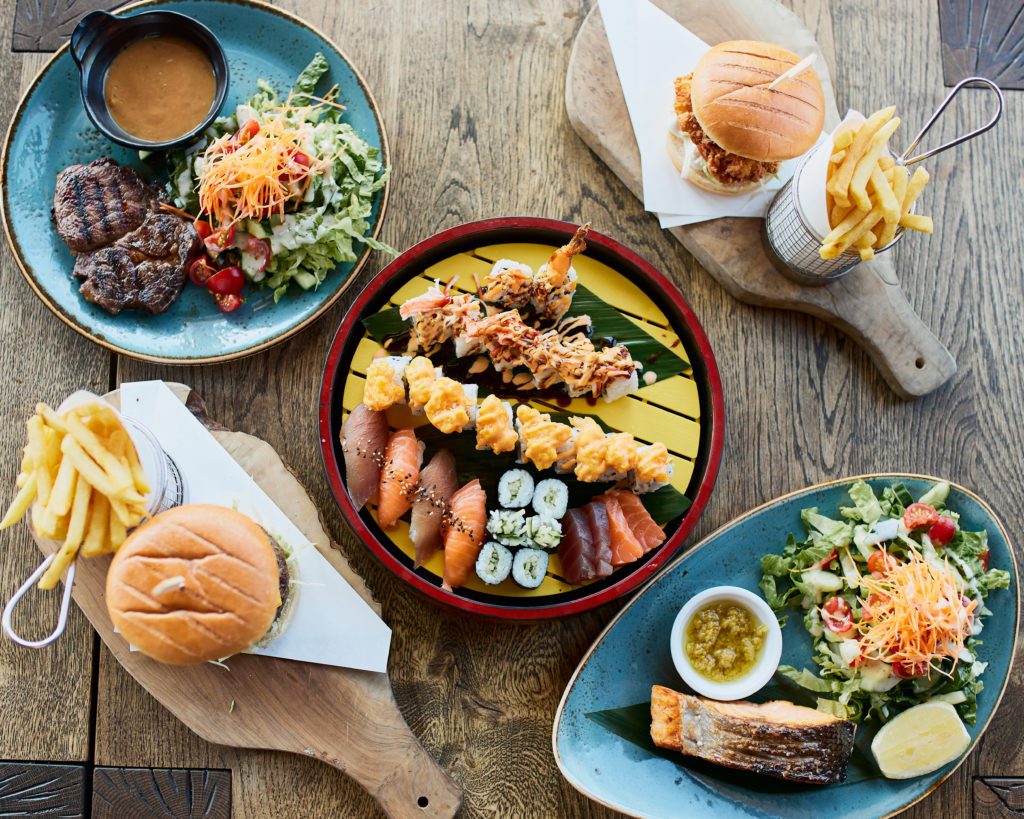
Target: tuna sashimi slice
<point>576,549</point>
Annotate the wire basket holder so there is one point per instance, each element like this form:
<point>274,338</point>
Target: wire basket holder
<point>795,244</point>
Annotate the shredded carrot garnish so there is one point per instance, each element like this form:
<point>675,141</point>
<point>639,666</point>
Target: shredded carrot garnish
<point>914,613</point>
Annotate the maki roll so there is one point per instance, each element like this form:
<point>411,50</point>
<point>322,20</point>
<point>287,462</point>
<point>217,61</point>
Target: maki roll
<point>508,526</point>
<point>653,468</point>
<point>591,465</point>
<point>494,563</point>
<point>451,406</point>
<point>551,498</point>
<point>509,284</point>
<point>495,429</point>
<point>437,316</point>
<point>620,455</point>
<point>515,489</point>
<point>555,281</point>
<point>385,386</point>
<point>529,567</point>
<point>420,375</point>
<point>545,532</point>
<point>541,440</point>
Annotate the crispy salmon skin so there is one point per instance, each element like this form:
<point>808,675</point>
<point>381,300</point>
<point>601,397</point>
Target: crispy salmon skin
<point>777,739</point>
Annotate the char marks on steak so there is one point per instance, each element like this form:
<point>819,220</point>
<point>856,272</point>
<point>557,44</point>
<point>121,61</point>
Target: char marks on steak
<point>98,203</point>
<point>130,254</point>
<point>144,269</point>
<point>725,167</point>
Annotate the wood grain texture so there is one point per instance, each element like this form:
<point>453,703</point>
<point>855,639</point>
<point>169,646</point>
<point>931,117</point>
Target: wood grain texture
<point>983,37</point>
<point>160,793</point>
<point>44,25</point>
<point>473,95</point>
<point>998,797</point>
<point>867,303</point>
<point>42,789</point>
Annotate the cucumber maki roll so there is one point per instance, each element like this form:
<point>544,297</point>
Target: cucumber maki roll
<point>515,489</point>
<point>544,532</point>
<point>551,498</point>
<point>493,563</point>
<point>529,567</point>
<point>508,526</point>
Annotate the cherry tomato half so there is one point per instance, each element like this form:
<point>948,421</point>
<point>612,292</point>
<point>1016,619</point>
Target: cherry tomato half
<point>942,531</point>
<point>822,563</point>
<point>881,562</point>
<point>920,516</point>
<point>247,131</point>
<point>229,281</point>
<point>985,557</point>
<point>228,302</point>
<point>259,249</point>
<point>202,228</point>
<point>873,604</point>
<point>220,240</point>
<point>299,158</point>
<point>837,615</point>
<point>201,270</point>
<point>909,671</point>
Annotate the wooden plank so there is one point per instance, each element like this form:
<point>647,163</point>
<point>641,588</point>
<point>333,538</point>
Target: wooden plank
<point>173,793</point>
<point>998,797</point>
<point>983,37</point>
<point>42,789</point>
<point>44,25</point>
<point>44,694</point>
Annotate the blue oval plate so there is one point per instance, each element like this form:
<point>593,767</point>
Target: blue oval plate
<point>633,653</point>
<point>50,131</point>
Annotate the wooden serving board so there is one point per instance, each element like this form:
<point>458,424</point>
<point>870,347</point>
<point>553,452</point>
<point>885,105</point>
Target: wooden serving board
<point>867,304</point>
<point>344,717</point>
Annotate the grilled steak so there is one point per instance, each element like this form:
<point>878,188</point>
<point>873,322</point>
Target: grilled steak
<point>778,739</point>
<point>98,203</point>
<point>144,269</point>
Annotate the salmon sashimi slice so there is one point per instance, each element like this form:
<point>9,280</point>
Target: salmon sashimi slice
<point>399,476</point>
<point>777,739</point>
<point>363,438</point>
<point>625,547</point>
<point>467,529</point>
<point>430,505</point>
<point>639,519</point>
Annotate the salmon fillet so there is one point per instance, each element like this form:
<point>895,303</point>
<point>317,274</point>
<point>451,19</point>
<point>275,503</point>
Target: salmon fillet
<point>777,739</point>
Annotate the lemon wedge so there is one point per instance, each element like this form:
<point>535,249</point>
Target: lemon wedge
<point>920,740</point>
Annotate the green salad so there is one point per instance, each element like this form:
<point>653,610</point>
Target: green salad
<point>893,593</point>
<point>281,188</point>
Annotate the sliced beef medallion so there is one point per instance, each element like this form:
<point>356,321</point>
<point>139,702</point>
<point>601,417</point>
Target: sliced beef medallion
<point>96,204</point>
<point>144,269</point>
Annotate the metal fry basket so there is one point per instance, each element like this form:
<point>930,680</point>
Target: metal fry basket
<point>788,232</point>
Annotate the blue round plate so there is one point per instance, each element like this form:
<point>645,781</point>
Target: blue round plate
<point>633,653</point>
<point>50,131</point>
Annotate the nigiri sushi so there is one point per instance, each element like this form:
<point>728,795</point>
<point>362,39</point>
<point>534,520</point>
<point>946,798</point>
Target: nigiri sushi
<point>639,519</point>
<point>541,440</point>
<point>399,476</point>
<point>420,376</point>
<point>508,285</point>
<point>624,544</point>
<point>555,281</point>
<point>619,454</point>
<point>653,468</point>
<point>430,501</point>
<point>451,406</point>
<point>364,435</point>
<point>437,316</point>
<point>467,529</point>
<point>494,426</point>
<point>384,382</point>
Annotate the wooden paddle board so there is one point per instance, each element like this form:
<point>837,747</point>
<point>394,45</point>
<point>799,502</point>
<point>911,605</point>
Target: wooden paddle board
<point>344,717</point>
<point>867,304</point>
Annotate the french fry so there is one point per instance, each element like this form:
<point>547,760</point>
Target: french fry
<point>914,188</point>
<point>20,504</point>
<point>843,242</point>
<point>88,468</point>
<point>73,540</point>
<point>885,195</point>
<point>117,530</point>
<point>838,157</point>
<point>840,183</point>
<point>843,137</point>
<point>120,477</point>
<point>127,449</point>
<point>96,542</point>
<point>63,488</point>
<point>837,214</point>
<point>885,162</point>
<point>51,418</point>
<point>863,245</point>
<point>917,222</point>
<point>862,172</point>
<point>900,176</point>
<point>47,525</point>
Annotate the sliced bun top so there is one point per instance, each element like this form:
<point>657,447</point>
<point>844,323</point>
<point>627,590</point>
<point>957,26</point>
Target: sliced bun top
<point>736,109</point>
<point>195,583</point>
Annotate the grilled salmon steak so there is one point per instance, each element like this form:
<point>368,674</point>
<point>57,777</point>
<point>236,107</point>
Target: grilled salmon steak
<point>777,739</point>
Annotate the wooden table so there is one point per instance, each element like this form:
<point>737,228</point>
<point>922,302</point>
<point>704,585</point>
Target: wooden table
<point>473,97</point>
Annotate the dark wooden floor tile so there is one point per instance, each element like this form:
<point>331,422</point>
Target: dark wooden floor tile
<point>44,25</point>
<point>145,793</point>
<point>42,789</point>
<point>998,797</point>
<point>983,37</point>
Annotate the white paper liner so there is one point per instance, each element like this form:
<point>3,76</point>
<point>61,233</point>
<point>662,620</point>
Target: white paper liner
<point>810,181</point>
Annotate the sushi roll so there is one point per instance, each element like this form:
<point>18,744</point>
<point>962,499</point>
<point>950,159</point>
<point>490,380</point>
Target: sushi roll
<point>515,489</point>
<point>495,428</point>
<point>509,284</point>
<point>529,567</point>
<point>551,498</point>
<point>544,532</point>
<point>437,316</point>
<point>504,336</point>
<point>566,462</point>
<point>615,373</point>
<point>541,440</point>
<point>591,465</point>
<point>385,385</point>
<point>619,454</point>
<point>420,376</point>
<point>653,468</point>
<point>451,406</point>
<point>494,563</point>
<point>555,281</point>
<point>508,526</point>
